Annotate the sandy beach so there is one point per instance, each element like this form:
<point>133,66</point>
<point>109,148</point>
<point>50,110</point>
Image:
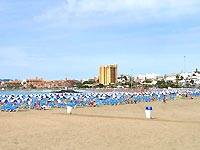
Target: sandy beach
<point>175,126</point>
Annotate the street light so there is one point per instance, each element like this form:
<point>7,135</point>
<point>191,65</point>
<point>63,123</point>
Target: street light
<point>131,81</point>
<point>131,78</point>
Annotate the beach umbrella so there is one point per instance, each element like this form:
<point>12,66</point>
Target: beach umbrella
<point>5,100</point>
<point>15,101</point>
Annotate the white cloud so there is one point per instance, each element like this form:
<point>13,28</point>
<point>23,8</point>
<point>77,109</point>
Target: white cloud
<point>82,7</point>
<point>107,6</point>
<point>90,11</point>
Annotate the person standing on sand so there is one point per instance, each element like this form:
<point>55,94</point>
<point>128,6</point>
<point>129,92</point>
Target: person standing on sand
<point>164,98</point>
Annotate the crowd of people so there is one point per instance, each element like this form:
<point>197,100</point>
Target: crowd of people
<point>12,103</point>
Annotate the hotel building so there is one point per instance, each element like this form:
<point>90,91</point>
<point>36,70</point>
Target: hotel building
<point>108,74</point>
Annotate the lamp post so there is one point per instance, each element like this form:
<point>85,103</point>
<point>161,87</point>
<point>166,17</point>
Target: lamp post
<point>131,81</point>
<point>131,78</point>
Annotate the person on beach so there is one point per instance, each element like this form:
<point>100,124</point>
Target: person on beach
<point>93,103</point>
<point>164,98</point>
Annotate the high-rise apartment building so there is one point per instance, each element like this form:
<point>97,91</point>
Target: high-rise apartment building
<point>108,74</point>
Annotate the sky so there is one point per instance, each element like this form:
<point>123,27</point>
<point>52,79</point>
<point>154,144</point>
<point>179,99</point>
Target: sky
<point>58,39</point>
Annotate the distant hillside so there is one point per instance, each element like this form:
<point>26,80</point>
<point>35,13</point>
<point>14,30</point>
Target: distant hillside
<point>5,80</point>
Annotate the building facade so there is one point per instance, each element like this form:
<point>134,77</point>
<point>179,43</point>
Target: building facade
<point>108,74</point>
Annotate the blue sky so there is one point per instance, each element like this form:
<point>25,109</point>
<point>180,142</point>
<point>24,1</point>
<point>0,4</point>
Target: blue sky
<point>57,39</point>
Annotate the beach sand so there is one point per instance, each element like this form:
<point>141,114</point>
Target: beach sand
<point>174,126</point>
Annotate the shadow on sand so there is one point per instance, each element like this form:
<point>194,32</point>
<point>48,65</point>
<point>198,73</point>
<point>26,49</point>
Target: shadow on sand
<point>134,118</point>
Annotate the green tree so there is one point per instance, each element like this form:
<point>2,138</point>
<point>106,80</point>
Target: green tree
<point>192,81</point>
<point>100,86</point>
<point>78,84</point>
<point>163,84</point>
<point>181,78</point>
<point>147,81</point>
